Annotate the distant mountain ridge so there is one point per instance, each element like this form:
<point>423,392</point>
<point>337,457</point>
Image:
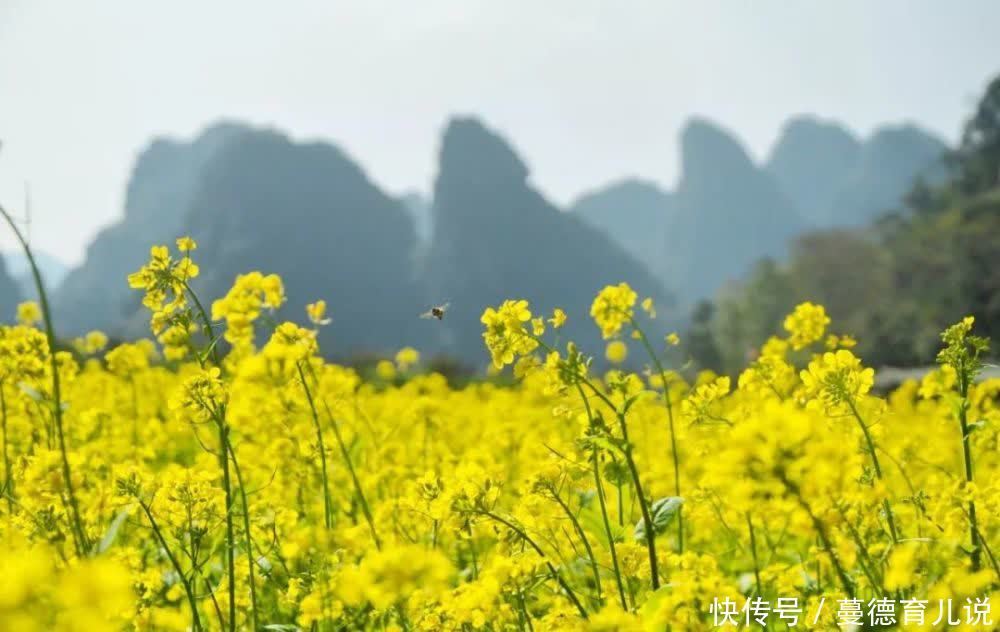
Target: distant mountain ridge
<point>496,237</point>
<point>257,200</point>
<point>727,212</point>
<point>308,212</point>
<point>633,212</point>
<point>811,161</point>
<point>95,295</point>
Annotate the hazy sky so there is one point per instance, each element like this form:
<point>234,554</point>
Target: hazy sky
<point>587,91</point>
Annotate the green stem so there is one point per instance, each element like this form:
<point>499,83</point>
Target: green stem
<point>878,468</point>
<point>552,569</point>
<point>989,553</point>
<point>845,581</point>
<point>586,544</point>
<point>79,534</point>
<point>8,477</point>
<point>206,323</point>
<point>345,453</point>
<point>251,560</point>
<point>670,419</point>
<point>599,484</point>
<point>195,620</point>
<point>523,607</point>
<point>753,552</point>
<point>227,486</point>
<point>220,419</point>
<point>963,421</point>
<point>215,604</point>
<point>327,505</point>
<point>646,517</point>
<point>865,559</point>
<point>634,472</point>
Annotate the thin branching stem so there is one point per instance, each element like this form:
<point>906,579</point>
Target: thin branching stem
<point>8,478</point>
<point>824,538</point>
<point>220,418</point>
<point>327,504</point>
<point>753,552</point>
<point>185,581</point>
<point>552,569</point>
<point>872,452</point>
<point>603,504</point>
<point>248,540</point>
<point>346,454</point>
<point>670,420</point>
<point>586,544</point>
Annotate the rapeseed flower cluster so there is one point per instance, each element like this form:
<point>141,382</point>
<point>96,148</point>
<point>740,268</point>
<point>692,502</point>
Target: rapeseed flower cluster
<point>506,335</point>
<point>614,307</point>
<point>806,325</point>
<point>228,477</point>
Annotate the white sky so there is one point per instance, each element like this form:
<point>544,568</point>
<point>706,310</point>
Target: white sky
<point>587,91</point>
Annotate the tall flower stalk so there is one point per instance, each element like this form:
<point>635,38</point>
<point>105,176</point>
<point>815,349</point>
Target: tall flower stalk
<point>962,353</point>
<point>321,446</point>
<point>218,415</point>
<point>168,294</point>
<point>507,338</point>
<point>664,379</point>
<point>836,382</point>
<point>76,524</point>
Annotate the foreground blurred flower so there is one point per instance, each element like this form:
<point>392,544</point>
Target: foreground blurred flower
<point>616,351</point>
<point>28,313</point>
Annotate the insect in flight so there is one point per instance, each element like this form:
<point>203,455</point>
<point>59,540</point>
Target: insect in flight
<point>436,312</point>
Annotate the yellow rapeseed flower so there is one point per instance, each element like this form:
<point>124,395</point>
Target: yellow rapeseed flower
<point>616,352</point>
<point>806,324</point>
<point>613,308</point>
<point>29,313</point>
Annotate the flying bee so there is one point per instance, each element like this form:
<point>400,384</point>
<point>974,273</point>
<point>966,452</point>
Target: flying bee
<point>436,312</point>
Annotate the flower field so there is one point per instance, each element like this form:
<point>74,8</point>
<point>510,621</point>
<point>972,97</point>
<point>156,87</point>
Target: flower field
<point>226,477</point>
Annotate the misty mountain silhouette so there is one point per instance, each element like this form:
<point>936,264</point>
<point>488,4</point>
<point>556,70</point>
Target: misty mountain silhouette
<point>95,295</point>
<point>727,212</point>
<point>890,161</point>
<point>496,237</point>
<point>307,212</point>
<point>635,214</point>
<point>811,162</point>
<point>838,181</point>
<point>256,200</point>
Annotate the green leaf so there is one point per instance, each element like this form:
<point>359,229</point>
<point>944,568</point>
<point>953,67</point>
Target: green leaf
<point>611,444</point>
<point>203,357</point>
<point>592,522</point>
<point>616,473</point>
<point>661,513</point>
<point>112,532</point>
<point>650,608</point>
